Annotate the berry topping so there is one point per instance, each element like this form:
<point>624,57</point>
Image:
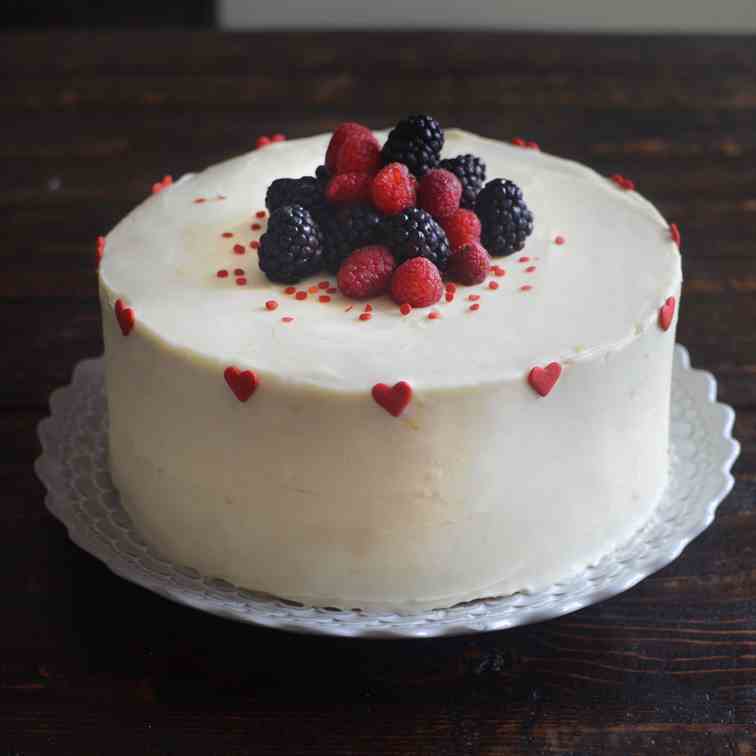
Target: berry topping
<point>292,247</point>
<point>504,216</point>
<point>471,172</point>
<point>461,227</point>
<point>355,132</point>
<point>417,282</point>
<point>306,191</point>
<point>393,189</point>
<point>347,188</point>
<point>416,141</point>
<point>439,193</point>
<point>470,264</point>
<point>366,273</point>
<point>358,153</point>
<point>414,233</point>
<point>346,229</point>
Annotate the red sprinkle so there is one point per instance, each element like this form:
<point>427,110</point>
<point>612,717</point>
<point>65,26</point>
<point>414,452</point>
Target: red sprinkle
<point>239,272</point>
<point>262,141</point>
<point>523,259</point>
<point>493,284</point>
<point>526,287</point>
<point>324,284</point>
<point>227,234</point>
<point>164,183</point>
<point>255,226</point>
<point>254,244</point>
<point>368,307</point>
<point>434,315</point>
<point>324,298</point>
<point>241,281</point>
<point>530,268</point>
<point>349,309</point>
<point>498,271</point>
<point>366,315</point>
<point>332,290</point>
<point>239,249</point>
<point>406,308</point>
<point>473,297</point>
<point>290,290</point>
<point>100,249</point>
<point>674,232</point>
<point>313,290</point>
<point>622,182</point>
<point>199,200</point>
<point>300,295</point>
<point>475,307</point>
<point>449,296</point>
<point>452,287</point>
<point>222,274</point>
<point>559,240</point>
<point>278,138</point>
<point>520,142</point>
<point>271,304</point>
<point>260,214</point>
<point>287,319</point>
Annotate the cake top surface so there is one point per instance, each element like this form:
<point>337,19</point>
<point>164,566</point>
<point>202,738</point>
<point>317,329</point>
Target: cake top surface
<point>597,290</point>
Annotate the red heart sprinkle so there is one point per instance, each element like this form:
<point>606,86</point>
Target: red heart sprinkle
<point>125,317</point>
<point>623,183</point>
<point>394,400</point>
<point>543,380</point>
<point>674,232</point>
<point>242,383</point>
<point>100,249</point>
<point>666,312</point>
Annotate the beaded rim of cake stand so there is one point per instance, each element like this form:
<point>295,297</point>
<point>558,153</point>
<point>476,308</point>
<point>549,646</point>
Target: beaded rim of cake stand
<point>80,493</point>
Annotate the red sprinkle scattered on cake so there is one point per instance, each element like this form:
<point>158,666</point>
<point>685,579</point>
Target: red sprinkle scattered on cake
<point>475,307</point>
<point>271,304</point>
<point>300,295</point>
<point>260,214</point>
<point>493,284</point>
<point>622,182</point>
<point>241,281</point>
<point>520,142</point>
<point>523,259</point>
<point>405,309</point>
<point>312,290</point>
<point>100,250</point>
<point>290,290</point>
<point>255,226</point>
<point>526,287</point>
<point>666,313</point>
<point>199,200</point>
<point>222,274</point>
<point>324,285</point>
<point>239,249</point>
<point>239,272</point>
<point>559,240</point>
<point>366,315</point>
<point>324,298</point>
<point>278,138</point>
<point>449,296</point>
<point>473,297</point>
<point>262,141</point>
<point>530,269</point>
<point>674,232</point>
<point>227,234</point>
<point>164,183</point>
<point>394,399</point>
<point>287,319</point>
<point>124,316</point>
<point>254,245</point>
<point>434,315</point>
<point>498,271</point>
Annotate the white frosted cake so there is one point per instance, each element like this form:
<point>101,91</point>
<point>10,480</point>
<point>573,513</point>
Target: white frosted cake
<point>519,429</point>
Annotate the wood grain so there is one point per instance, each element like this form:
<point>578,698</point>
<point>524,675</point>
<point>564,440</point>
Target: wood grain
<point>87,122</point>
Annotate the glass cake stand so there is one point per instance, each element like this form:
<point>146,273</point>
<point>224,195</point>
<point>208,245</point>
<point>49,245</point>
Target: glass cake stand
<point>73,467</point>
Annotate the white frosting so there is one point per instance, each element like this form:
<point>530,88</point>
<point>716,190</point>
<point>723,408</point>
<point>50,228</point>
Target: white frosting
<point>310,490</point>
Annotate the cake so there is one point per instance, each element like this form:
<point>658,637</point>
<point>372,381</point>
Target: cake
<point>502,439</point>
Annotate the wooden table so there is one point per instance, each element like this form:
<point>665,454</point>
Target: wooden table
<point>88,122</point>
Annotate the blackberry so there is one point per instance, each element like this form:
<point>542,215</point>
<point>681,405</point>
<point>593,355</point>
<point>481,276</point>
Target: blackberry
<point>414,233</point>
<point>416,141</point>
<point>322,174</point>
<point>346,229</point>
<point>307,192</point>
<point>471,172</point>
<point>504,217</point>
<point>292,247</point>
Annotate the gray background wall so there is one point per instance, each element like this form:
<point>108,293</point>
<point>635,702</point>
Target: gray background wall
<point>584,15</point>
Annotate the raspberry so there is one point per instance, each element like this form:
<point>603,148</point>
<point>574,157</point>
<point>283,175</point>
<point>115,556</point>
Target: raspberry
<point>346,229</point>
<point>470,264</point>
<point>292,247</point>
<point>416,141</point>
<point>440,192</point>
<point>461,227</point>
<point>417,282</point>
<point>349,131</point>
<point>393,189</point>
<point>505,217</point>
<point>359,154</point>
<point>348,188</point>
<point>366,272</point>
<point>471,172</point>
<point>414,233</point>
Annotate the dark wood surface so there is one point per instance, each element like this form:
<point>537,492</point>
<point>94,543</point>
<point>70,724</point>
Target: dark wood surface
<point>87,123</point>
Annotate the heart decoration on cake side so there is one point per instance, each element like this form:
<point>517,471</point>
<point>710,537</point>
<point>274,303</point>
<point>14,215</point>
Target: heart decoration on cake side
<point>622,182</point>
<point>542,380</point>
<point>394,399</point>
<point>242,382</point>
<point>674,233</point>
<point>124,316</point>
<point>100,250</point>
<point>666,313</point>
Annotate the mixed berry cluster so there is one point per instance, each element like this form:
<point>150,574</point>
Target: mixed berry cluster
<point>393,218</point>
